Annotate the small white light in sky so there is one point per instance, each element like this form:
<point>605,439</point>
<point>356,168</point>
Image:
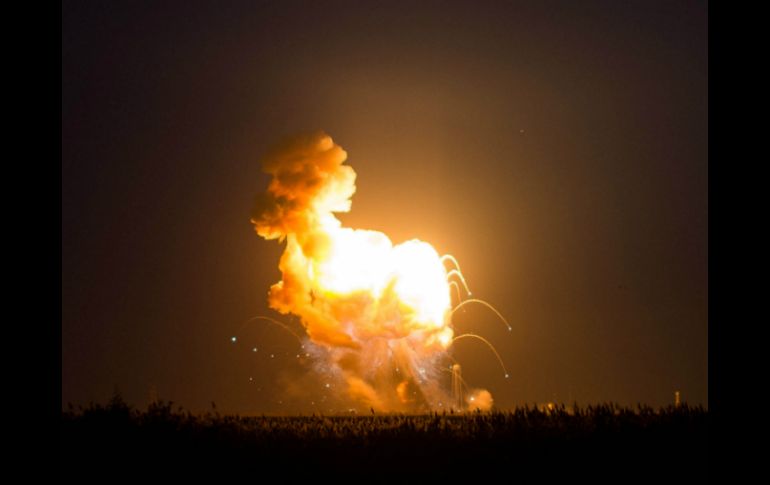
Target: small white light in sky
<point>254,349</point>
<point>327,385</point>
<point>272,356</point>
<point>233,339</point>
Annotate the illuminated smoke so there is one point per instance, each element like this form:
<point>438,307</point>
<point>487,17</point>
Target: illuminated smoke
<point>480,399</point>
<point>379,314</point>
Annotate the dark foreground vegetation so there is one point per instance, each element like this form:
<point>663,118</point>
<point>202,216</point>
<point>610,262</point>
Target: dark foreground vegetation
<point>604,443</point>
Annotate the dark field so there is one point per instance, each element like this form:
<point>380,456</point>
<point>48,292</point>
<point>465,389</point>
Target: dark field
<point>604,443</point>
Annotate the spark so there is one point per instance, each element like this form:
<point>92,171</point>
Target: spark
<point>453,260</point>
<point>457,273</point>
<point>482,302</point>
<point>457,290</point>
<point>275,322</point>
<point>491,347</point>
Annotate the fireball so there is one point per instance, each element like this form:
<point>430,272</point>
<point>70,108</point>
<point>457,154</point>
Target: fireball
<point>380,312</point>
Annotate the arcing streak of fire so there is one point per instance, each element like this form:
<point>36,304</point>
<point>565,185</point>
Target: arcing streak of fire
<point>382,312</point>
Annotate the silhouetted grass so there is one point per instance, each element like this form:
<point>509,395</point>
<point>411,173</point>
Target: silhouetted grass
<point>604,442</point>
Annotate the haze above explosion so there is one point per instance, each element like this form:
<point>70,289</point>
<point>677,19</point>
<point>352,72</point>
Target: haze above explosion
<point>379,313</point>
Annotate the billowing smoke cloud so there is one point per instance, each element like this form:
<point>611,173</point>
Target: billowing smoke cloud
<point>378,314</point>
<point>309,183</point>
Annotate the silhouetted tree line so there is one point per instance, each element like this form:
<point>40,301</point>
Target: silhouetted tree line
<point>601,443</point>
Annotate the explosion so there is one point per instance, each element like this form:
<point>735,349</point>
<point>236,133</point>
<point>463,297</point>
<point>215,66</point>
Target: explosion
<point>379,314</point>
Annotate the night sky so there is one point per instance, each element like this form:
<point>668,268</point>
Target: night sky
<point>558,149</point>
